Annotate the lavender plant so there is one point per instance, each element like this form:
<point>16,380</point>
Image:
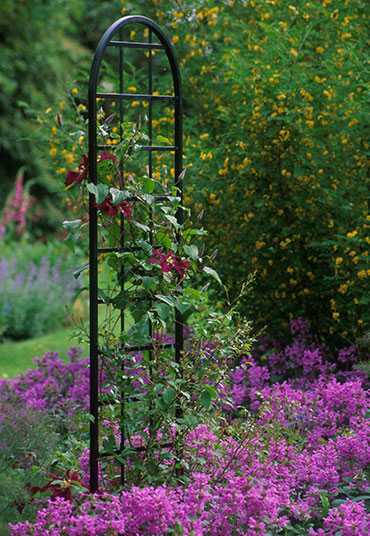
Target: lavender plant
<point>36,285</point>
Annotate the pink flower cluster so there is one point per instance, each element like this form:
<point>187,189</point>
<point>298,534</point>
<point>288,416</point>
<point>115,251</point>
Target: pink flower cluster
<point>16,209</point>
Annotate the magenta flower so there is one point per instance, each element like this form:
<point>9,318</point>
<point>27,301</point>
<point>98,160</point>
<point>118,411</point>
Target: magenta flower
<point>168,262</point>
<point>78,176</point>
<point>112,210</point>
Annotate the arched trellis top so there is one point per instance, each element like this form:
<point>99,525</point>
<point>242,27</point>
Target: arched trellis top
<point>165,44</point>
<point>116,29</point>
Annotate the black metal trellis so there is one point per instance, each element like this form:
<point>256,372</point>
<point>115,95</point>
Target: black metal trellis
<point>162,43</point>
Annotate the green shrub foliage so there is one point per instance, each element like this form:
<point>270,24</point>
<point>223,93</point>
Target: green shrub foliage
<point>276,120</point>
<point>276,98</point>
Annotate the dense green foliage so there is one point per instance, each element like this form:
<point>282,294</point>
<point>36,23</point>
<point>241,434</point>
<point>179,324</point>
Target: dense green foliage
<point>37,51</point>
<point>279,151</point>
<point>276,117</point>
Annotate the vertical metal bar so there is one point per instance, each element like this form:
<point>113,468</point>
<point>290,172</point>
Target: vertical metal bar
<point>150,173</point>
<point>122,242</point>
<point>179,326</point>
<point>94,364</point>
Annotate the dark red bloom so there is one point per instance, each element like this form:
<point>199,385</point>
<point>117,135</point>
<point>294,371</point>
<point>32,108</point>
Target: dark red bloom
<point>60,487</point>
<point>78,176</point>
<point>112,210</point>
<point>83,168</point>
<point>169,262</point>
<point>107,156</point>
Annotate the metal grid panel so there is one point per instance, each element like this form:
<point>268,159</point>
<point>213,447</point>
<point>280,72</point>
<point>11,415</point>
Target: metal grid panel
<point>176,100</point>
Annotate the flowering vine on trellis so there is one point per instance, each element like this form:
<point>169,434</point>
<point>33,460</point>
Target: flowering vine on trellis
<point>147,391</point>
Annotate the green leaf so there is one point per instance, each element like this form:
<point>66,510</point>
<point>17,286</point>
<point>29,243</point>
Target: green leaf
<point>102,295</point>
<point>168,395</point>
<point>71,225</point>
<point>121,300</point>
<point>74,232</point>
<point>192,251</point>
<point>163,240</point>
<point>162,139</point>
<point>166,299</point>
<point>147,282</point>
<point>213,273</point>
<point>205,399</point>
<point>100,191</point>
<point>172,220</point>
<point>118,195</point>
<point>211,390</point>
<point>193,293</point>
<point>141,226</point>
<point>81,269</point>
<point>148,185</point>
<point>163,310</point>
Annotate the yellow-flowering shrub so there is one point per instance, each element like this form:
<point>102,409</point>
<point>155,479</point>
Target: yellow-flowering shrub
<point>277,115</point>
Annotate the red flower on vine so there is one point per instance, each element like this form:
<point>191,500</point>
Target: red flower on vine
<point>78,176</point>
<point>83,168</point>
<point>169,262</point>
<point>112,210</point>
<point>107,156</point>
<point>61,487</point>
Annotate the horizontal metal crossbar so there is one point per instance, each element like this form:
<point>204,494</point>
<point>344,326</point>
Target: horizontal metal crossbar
<point>144,147</point>
<point>148,347</point>
<point>134,299</point>
<point>134,96</point>
<point>138,449</point>
<point>143,347</point>
<point>157,147</point>
<point>130,44</point>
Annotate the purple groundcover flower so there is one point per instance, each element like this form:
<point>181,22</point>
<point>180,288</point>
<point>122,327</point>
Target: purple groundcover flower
<point>303,438</point>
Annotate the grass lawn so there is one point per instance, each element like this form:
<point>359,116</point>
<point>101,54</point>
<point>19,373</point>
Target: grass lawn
<point>16,357</point>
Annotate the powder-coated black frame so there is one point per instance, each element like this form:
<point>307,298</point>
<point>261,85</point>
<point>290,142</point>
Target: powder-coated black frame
<point>107,41</point>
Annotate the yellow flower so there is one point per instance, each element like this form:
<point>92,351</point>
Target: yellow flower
<point>175,39</point>
<point>335,316</point>
<point>48,110</point>
<point>74,91</point>
<point>343,288</point>
<point>319,49</point>
<point>338,260</point>
<point>293,51</point>
<point>53,151</point>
